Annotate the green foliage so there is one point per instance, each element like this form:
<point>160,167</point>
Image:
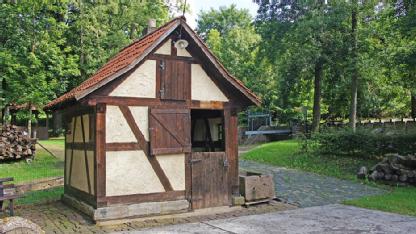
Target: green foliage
<point>231,36</point>
<point>364,142</point>
<point>49,47</point>
<point>297,34</point>
<point>223,20</point>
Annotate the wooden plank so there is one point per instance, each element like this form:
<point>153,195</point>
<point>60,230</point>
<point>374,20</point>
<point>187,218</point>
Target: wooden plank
<point>189,60</point>
<point>125,146</point>
<point>208,178</point>
<point>100,140</point>
<point>211,105</point>
<point>149,197</point>
<point>132,101</point>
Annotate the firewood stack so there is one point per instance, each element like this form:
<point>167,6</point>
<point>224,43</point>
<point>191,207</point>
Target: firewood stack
<point>15,145</point>
<point>395,168</point>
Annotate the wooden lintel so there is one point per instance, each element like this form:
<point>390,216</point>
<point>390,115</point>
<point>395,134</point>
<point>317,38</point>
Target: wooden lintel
<point>163,56</point>
<point>214,105</point>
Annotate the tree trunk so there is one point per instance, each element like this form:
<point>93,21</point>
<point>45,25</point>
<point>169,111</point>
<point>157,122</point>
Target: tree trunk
<point>317,96</point>
<point>413,103</point>
<point>29,122</point>
<point>354,77</point>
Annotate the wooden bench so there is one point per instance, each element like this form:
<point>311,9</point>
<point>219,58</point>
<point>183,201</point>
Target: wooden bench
<point>7,196</point>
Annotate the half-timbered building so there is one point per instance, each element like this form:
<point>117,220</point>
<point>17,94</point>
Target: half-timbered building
<point>154,131</point>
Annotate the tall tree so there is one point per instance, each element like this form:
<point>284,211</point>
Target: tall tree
<point>33,53</point>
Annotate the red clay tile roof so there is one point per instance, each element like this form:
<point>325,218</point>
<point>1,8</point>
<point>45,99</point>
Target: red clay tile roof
<point>121,60</point>
<point>129,54</point>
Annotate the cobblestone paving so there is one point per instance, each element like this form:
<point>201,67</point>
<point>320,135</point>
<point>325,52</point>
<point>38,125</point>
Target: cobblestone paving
<point>308,189</point>
<point>56,217</point>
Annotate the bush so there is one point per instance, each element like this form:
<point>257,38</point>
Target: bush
<point>365,142</point>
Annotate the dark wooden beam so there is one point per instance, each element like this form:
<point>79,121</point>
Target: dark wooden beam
<point>100,139</point>
<point>149,197</point>
<point>125,146</point>
<point>170,57</point>
<point>81,195</point>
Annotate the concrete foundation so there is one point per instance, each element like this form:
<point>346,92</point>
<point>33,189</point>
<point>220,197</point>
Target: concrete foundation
<point>127,211</point>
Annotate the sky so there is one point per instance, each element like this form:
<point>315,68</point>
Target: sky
<point>198,5</point>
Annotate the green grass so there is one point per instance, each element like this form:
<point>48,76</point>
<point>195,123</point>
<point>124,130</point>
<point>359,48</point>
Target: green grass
<point>42,196</point>
<point>287,154</point>
<point>401,200</point>
<point>44,165</point>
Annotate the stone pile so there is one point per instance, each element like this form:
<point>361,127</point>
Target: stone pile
<point>395,168</point>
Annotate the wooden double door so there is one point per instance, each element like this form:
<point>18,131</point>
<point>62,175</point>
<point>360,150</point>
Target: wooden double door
<point>209,179</point>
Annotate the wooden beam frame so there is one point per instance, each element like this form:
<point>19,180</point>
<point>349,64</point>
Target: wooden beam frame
<point>144,145</point>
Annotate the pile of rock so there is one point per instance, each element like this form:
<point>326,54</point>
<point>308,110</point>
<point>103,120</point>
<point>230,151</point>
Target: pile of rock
<point>15,144</point>
<point>393,168</point>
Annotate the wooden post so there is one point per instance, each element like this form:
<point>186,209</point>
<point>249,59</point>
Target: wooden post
<point>231,144</point>
<point>100,173</point>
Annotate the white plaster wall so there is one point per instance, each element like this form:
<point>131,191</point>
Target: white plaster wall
<point>129,172</point>
<point>117,129</point>
<point>79,175</point>
<point>78,130</point>
<point>141,117</point>
<point>203,88</point>
<point>174,167</point>
<point>141,83</point>
<point>165,48</point>
<point>183,52</point>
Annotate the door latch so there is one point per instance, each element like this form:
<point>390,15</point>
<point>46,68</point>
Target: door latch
<point>162,65</point>
<point>225,163</point>
<point>192,161</point>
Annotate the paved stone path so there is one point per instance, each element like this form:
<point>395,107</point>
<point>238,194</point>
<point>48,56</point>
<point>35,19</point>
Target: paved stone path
<point>338,219</point>
<point>308,189</point>
<point>55,217</point>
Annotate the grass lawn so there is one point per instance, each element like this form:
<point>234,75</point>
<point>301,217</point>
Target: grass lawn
<point>401,200</point>
<point>42,196</point>
<point>286,154</point>
<point>44,165</point>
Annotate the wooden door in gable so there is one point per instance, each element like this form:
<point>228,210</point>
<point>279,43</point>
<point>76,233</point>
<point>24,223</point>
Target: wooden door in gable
<point>175,79</point>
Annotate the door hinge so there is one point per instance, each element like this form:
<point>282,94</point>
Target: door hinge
<point>162,65</point>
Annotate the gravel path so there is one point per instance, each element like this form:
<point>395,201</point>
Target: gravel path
<point>308,189</point>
